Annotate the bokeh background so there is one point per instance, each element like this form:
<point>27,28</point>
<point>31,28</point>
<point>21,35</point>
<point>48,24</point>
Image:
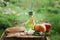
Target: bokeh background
<point>12,11</point>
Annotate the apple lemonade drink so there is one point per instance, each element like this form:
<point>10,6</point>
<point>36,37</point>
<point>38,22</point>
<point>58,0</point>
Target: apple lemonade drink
<point>30,23</point>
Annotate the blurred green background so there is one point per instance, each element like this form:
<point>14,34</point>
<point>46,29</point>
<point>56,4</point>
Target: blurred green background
<point>12,11</point>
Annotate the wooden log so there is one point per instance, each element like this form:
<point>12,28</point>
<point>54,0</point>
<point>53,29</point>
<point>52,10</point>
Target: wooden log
<point>24,38</point>
<point>4,37</point>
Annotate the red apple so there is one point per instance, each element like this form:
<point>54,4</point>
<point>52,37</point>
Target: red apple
<point>36,27</point>
<point>40,27</point>
<point>48,27</point>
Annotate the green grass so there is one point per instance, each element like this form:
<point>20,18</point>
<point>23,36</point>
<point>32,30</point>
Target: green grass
<point>55,37</point>
<point>1,32</point>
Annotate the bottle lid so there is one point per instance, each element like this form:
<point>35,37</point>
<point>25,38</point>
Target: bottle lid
<point>30,13</point>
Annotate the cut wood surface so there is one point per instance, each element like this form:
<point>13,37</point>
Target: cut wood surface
<point>28,36</point>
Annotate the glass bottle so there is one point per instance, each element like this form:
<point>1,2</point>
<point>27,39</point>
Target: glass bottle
<point>30,23</point>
